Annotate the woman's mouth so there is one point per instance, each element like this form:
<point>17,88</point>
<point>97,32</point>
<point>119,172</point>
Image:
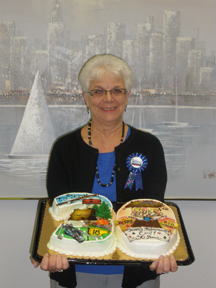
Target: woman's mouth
<point>108,109</point>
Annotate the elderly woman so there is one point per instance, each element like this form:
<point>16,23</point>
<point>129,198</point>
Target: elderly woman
<point>93,159</point>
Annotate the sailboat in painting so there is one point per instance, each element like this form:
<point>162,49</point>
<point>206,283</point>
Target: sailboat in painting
<point>176,123</point>
<point>141,121</point>
<point>142,125</point>
<point>36,134</point>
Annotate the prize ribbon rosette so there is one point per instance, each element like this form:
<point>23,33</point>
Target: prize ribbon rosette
<point>136,163</point>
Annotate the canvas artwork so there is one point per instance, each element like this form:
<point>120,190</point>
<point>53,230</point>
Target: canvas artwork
<point>170,45</point>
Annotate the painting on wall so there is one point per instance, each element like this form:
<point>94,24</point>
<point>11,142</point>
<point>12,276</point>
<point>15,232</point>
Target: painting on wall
<point>171,50</point>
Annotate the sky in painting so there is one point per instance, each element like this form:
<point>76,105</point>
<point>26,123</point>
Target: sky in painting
<point>82,17</point>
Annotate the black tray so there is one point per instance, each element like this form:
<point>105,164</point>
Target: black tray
<point>37,232</point>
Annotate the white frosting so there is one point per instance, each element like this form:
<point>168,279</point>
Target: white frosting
<point>69,246</point>
<point>164,243</point>
<point>146,248</point>
<point>96,248</point>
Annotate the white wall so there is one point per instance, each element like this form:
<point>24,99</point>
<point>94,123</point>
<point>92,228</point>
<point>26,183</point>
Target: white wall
<point>199,218</point>
<point>16,226</point>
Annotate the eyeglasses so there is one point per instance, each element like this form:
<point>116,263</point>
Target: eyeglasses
<point>103,92</point>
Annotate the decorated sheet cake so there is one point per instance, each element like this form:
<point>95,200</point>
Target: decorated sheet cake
<point>143,228</point>
<point>146,228</point>
<point>87,230</point>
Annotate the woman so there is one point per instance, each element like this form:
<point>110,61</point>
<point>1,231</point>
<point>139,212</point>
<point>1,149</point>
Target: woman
<point>93,159</point>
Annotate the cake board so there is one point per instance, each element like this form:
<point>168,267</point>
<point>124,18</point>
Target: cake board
<point>45,226</point>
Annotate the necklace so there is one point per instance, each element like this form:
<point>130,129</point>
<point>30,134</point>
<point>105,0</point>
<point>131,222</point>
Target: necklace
<point>114,167</point>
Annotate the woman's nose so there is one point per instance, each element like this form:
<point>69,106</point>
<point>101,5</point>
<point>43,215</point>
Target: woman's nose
<point>108,95</point>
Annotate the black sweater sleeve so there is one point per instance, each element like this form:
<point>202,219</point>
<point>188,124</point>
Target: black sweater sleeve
<point>57,176</point>
<point>157,176</point>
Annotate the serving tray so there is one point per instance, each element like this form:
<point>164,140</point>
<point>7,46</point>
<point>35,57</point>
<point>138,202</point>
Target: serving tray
<point>45,226</point>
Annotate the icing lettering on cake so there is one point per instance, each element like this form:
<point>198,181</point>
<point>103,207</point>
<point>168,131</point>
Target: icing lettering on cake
<point>146,228</point>
<point>143,228</point>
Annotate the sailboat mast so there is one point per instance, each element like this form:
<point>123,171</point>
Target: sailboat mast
<point>176,102</point>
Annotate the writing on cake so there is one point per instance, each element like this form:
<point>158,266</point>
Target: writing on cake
<point>142,228</point>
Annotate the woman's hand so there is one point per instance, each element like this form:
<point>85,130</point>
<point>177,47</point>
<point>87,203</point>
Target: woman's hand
<point>52,263</point>
<point>164,265</point>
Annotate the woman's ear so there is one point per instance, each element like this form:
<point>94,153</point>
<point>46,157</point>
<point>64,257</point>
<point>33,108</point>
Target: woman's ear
<point>127,97</point>
<point>85,98</point>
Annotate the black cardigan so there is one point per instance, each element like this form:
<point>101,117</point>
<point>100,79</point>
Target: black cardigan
<point>72,168</point>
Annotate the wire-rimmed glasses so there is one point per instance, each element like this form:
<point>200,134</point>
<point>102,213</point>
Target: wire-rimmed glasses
<point>102,92</point>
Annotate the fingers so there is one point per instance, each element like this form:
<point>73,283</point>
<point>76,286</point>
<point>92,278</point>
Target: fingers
<point>35,263</point>
<point>154,265</point>
<point>45,262</point>
<point>65,263</point>
<point>164,265</point>
<point>54,263</point>
<point>174,266</point>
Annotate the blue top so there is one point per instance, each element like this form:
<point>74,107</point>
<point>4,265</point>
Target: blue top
<point>104,162</point>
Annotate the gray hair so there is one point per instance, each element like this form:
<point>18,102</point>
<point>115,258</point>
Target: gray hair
<point>95,67</point>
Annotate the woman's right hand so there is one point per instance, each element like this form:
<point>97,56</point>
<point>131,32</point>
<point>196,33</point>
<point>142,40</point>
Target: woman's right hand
<point>52,263</point>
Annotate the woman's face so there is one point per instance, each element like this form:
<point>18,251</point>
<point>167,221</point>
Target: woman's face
<point>107,108</point>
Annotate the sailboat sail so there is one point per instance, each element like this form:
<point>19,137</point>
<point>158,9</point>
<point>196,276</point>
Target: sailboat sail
<point>36,134</point>
<point>176,123</point>
<point>141,122</point>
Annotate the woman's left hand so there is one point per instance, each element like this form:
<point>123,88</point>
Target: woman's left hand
<point>164,265</point>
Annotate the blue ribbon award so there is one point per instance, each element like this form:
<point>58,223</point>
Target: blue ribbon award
<point>136,164</point>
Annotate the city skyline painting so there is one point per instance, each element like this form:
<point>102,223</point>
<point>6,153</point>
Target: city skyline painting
<point>165,54</point>
<point>171,50</point>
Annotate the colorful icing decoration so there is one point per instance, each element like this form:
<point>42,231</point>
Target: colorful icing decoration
<point>102,211</point>
<point>146,228</point>
<point>87,228</point>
